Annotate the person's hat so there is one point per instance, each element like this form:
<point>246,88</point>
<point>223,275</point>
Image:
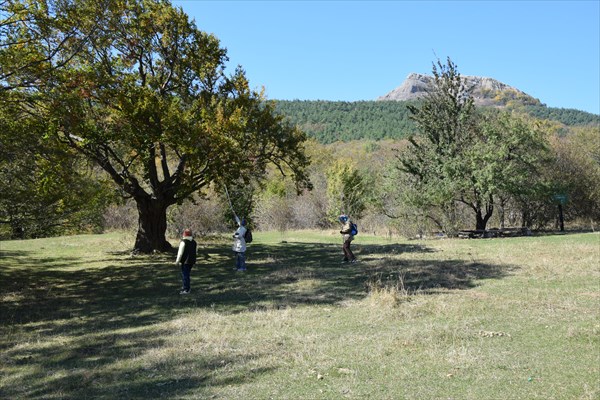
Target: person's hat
<point>343,218</point>
<point>187,232</point>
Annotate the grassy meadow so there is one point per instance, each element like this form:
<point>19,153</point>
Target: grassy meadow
<point>515,318</point>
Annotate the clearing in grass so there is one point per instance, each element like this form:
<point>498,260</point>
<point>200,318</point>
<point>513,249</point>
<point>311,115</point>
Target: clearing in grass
<point>510,318</point>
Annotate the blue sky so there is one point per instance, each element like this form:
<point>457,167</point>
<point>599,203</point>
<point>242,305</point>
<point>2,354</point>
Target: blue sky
<point>360,50</point>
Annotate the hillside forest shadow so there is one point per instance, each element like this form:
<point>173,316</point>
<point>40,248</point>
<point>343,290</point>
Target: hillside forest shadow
<point>120,300</point>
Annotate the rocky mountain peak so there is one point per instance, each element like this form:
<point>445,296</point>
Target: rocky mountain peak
<point>485,91</point>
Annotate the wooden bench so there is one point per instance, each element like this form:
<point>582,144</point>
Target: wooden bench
<point>492,233</point>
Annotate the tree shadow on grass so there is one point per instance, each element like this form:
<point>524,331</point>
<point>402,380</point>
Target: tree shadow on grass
<point>87,372</point>
<point>312,273</point>
<point>109,311</point>
<point>66,326</point>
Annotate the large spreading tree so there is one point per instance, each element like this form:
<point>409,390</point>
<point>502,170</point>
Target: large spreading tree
<point>461,156</point>
<point>136,87</point>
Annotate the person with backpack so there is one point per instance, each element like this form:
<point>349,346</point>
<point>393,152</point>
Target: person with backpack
<point>348,231</point>
<point>186,257</point>
<point>240,237</point>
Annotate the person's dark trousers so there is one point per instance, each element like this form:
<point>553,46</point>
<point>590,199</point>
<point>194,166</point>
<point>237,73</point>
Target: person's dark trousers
<point>186,269</point>
<point>348,255</point>
<point>240,260</point>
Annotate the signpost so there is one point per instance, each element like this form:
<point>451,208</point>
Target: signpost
<point>561,199</point>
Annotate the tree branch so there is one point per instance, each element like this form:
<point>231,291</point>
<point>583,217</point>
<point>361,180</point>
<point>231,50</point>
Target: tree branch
<point>163,162</point>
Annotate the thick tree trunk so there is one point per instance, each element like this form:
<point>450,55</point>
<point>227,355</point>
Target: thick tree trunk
<point>482,220</point>
<point>152,219</point>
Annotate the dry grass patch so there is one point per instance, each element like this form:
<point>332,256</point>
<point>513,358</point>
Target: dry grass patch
<point>473,319</point>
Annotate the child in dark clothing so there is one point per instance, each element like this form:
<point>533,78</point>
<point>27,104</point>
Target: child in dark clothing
<point>186,257</point>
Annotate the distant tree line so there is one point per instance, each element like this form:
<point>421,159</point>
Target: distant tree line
<point>332,121</point>
<point>566,116</point>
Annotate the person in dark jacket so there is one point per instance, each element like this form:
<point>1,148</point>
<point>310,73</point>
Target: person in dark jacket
<point>186,257</point>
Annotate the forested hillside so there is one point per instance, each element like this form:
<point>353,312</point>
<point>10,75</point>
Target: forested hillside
<point>331,121</point>
<point>567,116</point>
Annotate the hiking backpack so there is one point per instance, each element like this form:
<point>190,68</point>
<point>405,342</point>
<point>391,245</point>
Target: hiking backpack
<point>353,229</point>
<point>248,236</point>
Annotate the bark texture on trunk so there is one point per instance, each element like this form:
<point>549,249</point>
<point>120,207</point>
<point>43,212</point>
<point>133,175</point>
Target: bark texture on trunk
<point>481,219</point>
<point>152,226</point>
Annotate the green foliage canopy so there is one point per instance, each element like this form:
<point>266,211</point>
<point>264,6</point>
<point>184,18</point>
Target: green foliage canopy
<point>39,198</point>
<point>462,156</point>
<point>345,189</point>
<point>137,88</point>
